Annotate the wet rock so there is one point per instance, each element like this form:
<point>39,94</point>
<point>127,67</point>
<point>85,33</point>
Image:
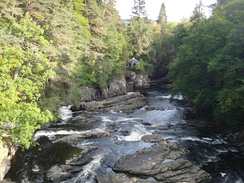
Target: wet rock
<point>83,119</point>
<point>116,178</point>
<point>125,103</point>
<point>87,134</point>
<point>142,162</point>
<point>237,138</point>
<point>146,124</point>
<point>162,162</point>
<point>78,160</point>
<point>59,173</point>
<point>126,132</point>
<point>152,108</point>
<point>152,138</point>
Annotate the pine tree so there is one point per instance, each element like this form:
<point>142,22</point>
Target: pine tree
<point>162,19</point>
<point>139,9</point>
<point>198,13</point>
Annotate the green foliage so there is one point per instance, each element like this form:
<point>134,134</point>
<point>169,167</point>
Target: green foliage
<point>76,96</point>
<point>209,64</point>
<point>140,34</point>
<point>109,50</point>
<point>139,9</point>
<point>167,38</point>
<point>162,19</point>
<point>24,68</point>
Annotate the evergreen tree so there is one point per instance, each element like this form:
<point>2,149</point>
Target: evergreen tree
<point>140,35</point>
<point>198,14</point>
<point>139,9</point>
<point>107,43</point>
<point>162,19</point>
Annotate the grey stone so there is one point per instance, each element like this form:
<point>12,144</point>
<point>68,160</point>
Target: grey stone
<point>152,138</point>
<point>59,173</point>
<point>125,103</point>
<point>163,162</point>
<point>116,178</point>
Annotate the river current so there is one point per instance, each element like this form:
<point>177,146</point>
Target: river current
<point>207,147</point>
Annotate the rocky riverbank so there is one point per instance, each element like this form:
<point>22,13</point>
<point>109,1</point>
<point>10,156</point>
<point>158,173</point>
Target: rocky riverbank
<point>130,82</point>
<point>162,162</point>
<point>6,154</point>
<point>124,103</point>
<point>117,87</point>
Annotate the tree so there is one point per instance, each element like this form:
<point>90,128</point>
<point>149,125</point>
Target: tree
<point>24,69</point>
<point>208,65</point>
<point>107,42</point>
<point>139,9</point>
<point>162,19</point>
<point>198,14</point>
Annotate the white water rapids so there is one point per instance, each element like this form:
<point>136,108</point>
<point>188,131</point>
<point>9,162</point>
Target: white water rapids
<point>206,147</point>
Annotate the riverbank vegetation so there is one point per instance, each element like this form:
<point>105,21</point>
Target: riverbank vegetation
<point>49,49</point>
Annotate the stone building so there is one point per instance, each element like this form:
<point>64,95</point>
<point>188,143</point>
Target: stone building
<point>132,63</point>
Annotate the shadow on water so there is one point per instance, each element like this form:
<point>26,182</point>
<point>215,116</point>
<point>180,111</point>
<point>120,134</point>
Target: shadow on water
<point>207,148</point>
<point>34,162</point>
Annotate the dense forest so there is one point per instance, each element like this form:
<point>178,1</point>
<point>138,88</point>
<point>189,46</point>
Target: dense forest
<point>49,49</point>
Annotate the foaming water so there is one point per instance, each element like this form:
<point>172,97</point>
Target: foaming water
<point>65,114</point>
<point>165,117</point>
<point>88,172</point>
<point>123,133</point>
<point>133,136</point>
<point>52,134</point>
<point>176,97</point>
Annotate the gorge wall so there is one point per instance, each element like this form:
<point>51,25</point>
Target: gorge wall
<point>120,86</point>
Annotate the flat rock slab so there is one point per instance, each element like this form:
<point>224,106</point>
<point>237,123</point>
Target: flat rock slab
<point>125,103</point>
<point>163,162</point>
<point>118,178</point>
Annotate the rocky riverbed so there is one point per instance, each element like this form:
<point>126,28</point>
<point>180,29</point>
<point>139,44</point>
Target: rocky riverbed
<point>147,141</point>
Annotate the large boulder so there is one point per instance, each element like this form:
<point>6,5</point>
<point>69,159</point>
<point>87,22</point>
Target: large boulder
<point>114,88</point>
<point>136,82</point>
<point>163,162</point>
<point>119,86</point>
<point>125,103</point>
<point>116,178</point>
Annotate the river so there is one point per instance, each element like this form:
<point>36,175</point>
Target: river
<point>207,147</point>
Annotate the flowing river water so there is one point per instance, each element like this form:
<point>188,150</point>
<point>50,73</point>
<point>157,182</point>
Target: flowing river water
<point>207,147</point>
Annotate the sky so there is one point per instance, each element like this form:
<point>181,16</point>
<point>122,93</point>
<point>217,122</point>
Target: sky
<point>176,10</point>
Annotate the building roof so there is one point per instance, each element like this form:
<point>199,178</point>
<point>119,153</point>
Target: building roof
<point>133,60</point>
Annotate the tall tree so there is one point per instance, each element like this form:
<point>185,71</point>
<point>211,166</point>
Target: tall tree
<point>139,9</point>
<point>208,66</point>
<point>107,42</point>
<point>198,13</point>
<point>140,35</point>
<point>162,19</point>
